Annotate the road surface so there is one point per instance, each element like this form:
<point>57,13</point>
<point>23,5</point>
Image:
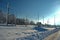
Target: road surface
<point>55,36</point>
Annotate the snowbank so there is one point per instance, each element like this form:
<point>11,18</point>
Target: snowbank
<point>38,36</point>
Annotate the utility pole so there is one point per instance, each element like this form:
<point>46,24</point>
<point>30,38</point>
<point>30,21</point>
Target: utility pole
<point>1,5</point>
<point>7,14</point>
<point>48,21</point>
<point>43,19</point>
<point>38,20</point>
<point>54,20</point>
<point>15,20</point>
<point>38,17</point>
<point>26,21</point>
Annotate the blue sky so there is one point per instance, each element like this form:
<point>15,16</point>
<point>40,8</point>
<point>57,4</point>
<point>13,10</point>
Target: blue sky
<point>31,8</point>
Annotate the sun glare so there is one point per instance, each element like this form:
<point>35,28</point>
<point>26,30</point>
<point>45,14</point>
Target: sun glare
<point>54,19</point>
<point>57,17</point>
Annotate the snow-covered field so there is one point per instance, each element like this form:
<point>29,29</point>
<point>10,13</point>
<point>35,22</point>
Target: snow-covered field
<point>18,31</point>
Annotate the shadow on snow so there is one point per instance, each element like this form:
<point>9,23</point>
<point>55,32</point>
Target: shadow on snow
<point>40,29</point>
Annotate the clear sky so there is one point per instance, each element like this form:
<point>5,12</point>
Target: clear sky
<point>33,8</point>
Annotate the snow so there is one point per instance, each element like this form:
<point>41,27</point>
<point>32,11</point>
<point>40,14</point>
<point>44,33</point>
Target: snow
<point>20,32</point>
<point>38,36</point>
<point>12,32</point>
